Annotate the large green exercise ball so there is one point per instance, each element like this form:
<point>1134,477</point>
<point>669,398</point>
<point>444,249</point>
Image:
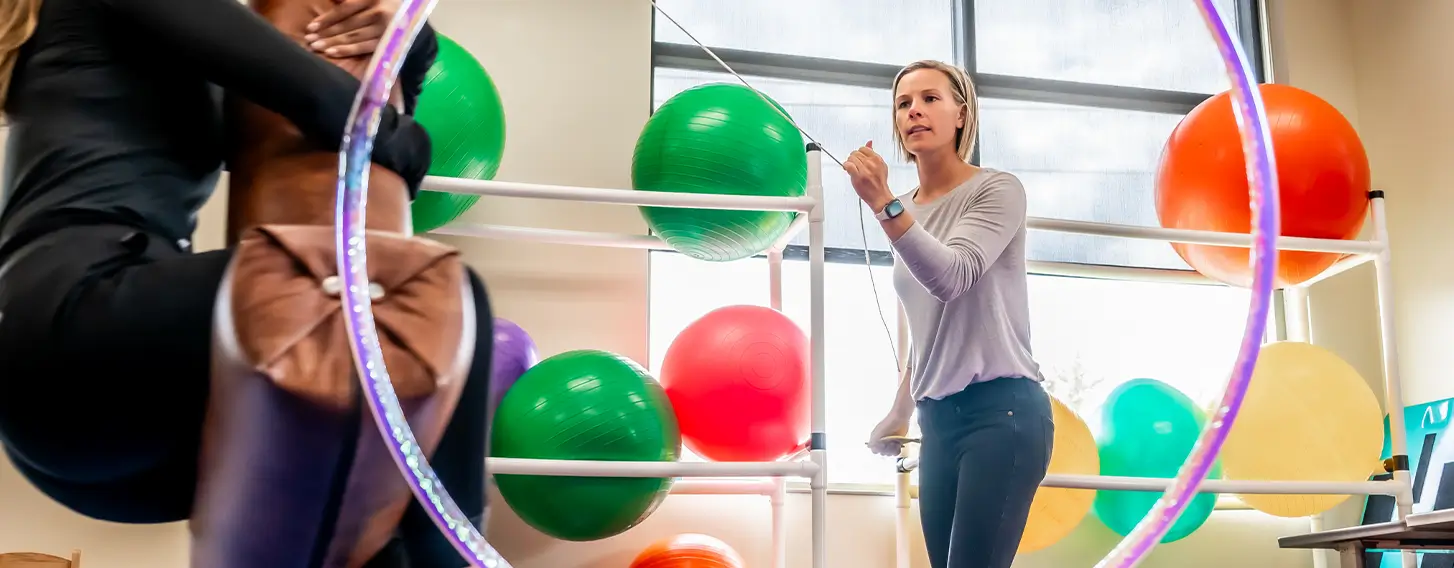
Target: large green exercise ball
<point>1148,429</point>
<point>461,109</point>
<point>585,405</point>
<point>720,138</point>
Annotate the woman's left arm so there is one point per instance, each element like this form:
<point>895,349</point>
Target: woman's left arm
<point>417,63</point>
<point>951,267</point>
<point>351,28</point>
<point>355,27</point>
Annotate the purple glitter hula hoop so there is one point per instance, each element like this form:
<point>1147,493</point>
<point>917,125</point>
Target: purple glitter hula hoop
<point>1262,175</point>
<point>351,201</point>
<point>352,263</point>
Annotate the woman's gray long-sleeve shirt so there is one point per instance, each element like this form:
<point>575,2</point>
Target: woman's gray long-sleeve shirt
<point>961,277</point>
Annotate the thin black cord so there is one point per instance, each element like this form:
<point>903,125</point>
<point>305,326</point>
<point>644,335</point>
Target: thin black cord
<point>862,230</point>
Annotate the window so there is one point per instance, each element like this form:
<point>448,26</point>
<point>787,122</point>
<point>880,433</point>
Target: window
<point>853,30</point>
<point>682,289</point>
<point>1152,44</point>
<point>1092,334</point>
<point>1076,98</point>
<point>1085,164</point>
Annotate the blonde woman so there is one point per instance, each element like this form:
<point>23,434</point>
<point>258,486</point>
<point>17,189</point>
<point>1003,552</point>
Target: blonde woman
<point>115,142</point>
<point>959,246</point>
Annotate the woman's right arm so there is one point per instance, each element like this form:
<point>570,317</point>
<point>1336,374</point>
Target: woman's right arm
<point>415,69</point>
<point>230,45</point>
<point>904,399</point>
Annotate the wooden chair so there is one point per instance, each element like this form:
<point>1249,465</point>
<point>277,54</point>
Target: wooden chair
<point>38,560</point>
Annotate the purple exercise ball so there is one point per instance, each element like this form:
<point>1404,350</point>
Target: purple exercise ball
<point>514,353</point>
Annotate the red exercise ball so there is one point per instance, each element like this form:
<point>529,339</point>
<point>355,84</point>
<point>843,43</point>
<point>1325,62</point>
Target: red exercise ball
<point>738,379</point>
<point>688,551</point>
<point>1322,171</point>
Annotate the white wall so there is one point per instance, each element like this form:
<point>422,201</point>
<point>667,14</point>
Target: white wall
<point>1378,63</point>
<point>1406,121</point>
<point>1375,61</point>
<point>575,78</point>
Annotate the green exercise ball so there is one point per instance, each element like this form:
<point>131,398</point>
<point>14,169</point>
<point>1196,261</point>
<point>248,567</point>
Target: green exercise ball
<point>720,138</point>
<point>461,110</point>
<point>585,405</point>
<point>1148,429</point>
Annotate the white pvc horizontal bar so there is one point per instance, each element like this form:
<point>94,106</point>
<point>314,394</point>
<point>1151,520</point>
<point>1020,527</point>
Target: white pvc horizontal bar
<point>578,238</point>
<point>804,204</point>
<point>1242,240</point>
<point>1440,517</point>
<point>1224,485</point>
<point>617,196</point>
<point>1126,483</point>
<point>798,224</point>
<point>724,487</point>
<point>649,242</point>
<point>552,236</point>
<point>587,468</point>
<point>1344,265</point>
<point>1118,272</point>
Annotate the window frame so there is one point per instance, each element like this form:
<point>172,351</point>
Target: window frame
<point>1252,29</point>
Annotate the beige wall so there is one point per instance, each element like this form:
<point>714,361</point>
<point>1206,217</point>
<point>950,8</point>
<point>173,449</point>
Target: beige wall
<point>1365,56</point>
<point>1374,61</point>
<point>1406,124</point>
<point>575,77</point>
<point>1310,40</point>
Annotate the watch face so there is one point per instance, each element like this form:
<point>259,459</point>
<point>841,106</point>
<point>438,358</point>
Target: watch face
<point>894,208</point>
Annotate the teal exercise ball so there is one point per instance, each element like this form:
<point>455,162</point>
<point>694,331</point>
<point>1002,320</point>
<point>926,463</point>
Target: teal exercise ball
<point>1148,429</point>
<point>720,138</point>
<point>585,405</point>
<point>461,110</point>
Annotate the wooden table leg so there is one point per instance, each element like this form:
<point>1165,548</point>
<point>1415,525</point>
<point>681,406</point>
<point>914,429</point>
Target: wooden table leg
<point>1352,556</point>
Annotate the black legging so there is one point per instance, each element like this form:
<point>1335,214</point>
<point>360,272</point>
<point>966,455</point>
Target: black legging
<point>105,340</point>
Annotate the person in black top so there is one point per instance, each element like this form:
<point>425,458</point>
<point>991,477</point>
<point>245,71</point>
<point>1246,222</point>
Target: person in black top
<point>115,143</point>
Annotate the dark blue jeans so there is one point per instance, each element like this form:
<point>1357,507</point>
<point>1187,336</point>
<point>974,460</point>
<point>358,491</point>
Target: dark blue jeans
<point>984,452</point>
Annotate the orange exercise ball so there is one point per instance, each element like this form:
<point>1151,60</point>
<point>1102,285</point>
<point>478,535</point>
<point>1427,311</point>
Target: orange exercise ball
<point>1322,172</point>
<point>688,551</point>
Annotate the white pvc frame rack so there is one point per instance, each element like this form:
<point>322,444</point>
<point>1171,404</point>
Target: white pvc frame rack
<point>1360,251</point>
<point>814,467</point>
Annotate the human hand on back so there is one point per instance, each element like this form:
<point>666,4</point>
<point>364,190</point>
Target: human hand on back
<point>351,28</point>
<point>870,176</point>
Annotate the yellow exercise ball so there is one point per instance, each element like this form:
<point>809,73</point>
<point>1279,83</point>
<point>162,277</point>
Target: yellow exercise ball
<point>1055,511</point>
<point>1308,416</point>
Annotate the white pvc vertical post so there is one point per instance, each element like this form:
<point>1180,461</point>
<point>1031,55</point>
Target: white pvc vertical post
<point>1297,320</point>
<point>903,480</point>
<point>903,504</point>
<point>1320,557</point>
<point>1393,396</point>
<point>780,484</point>
<point>775,279</point>
<point>779,523</point>
<point>818,444</point>
<point>1298,325</point>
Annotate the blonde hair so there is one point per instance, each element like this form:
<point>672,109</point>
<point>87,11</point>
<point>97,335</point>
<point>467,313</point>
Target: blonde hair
<point>17,23</point>
<point>961,87</point>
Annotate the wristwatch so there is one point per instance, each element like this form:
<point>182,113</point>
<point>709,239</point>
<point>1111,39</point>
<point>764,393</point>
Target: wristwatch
<point>893,209</point>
